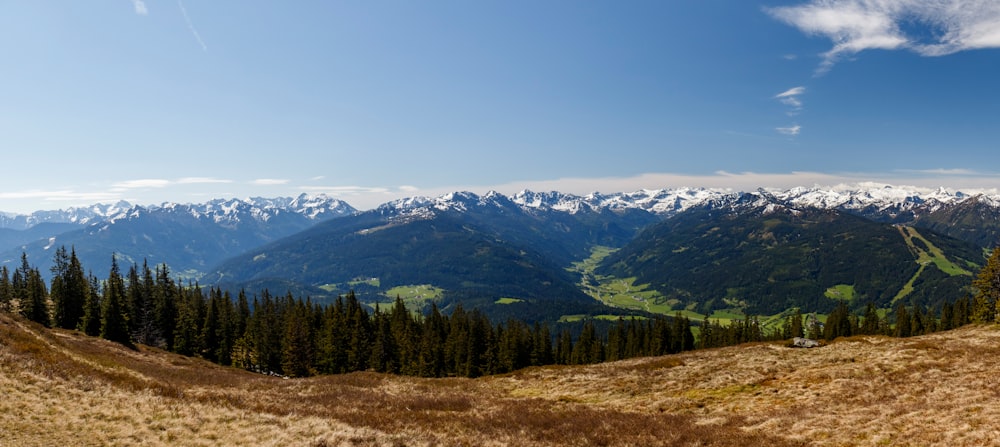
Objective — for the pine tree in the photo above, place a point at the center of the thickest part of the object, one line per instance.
(114, 310)
(60, 265)
(333, 339)
(587, 347)
(903, 328)
(165, 310)
(6, 290)
(384, 356)
(30, 290)
(541, 346)
(432, 341)
(871, 323)
(297, 353)
(796, 328)
(987, 286)
(947, 316)
(211, 327)
(564, 348)
(187, 332)
(142, 306)
(90, 324)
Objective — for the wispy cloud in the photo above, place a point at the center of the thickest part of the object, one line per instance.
(199, 180)
(269, 181)
(791, 130)
(347, 190)
(141, 183)
(190, 25)
(928, 28)
(140, 7)
(943, 171)
(790, 97)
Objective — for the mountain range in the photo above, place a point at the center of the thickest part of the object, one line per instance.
(693, 249)
(187, 237)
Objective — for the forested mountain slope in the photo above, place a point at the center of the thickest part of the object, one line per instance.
(758, 254)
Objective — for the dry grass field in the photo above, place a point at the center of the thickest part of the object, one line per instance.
(61, 388)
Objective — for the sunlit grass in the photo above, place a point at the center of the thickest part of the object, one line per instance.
(63, 388)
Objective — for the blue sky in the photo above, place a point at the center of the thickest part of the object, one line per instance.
(168, 100)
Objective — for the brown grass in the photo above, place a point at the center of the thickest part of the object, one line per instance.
(63, 388)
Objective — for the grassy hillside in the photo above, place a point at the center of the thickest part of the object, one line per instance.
(62, 388)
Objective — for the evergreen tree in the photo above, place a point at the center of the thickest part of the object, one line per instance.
(142, 306)
(838, 323)
(187, 332)
(30, 290)
(211, 327)
(456, 345)
(297, 344)
(903, 322)
(871, 324)
(90, 324)
(165, 309)
(564, 348)
(541, 346)
(383, 348)
(227, 331)
(961, 316)
(987, 286)
(6, 290)
(333, 339)
(432, 342)
(947, 316)
(114, 310)
(588, 347)
(60, 267)
(360, 332)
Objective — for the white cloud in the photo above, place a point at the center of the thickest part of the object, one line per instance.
(199, 180)
(942, 171)
(270, 181)
(791, 130)
(348, 190)
(790, 97)
(946, 26)
(142, 183)
(140, 7)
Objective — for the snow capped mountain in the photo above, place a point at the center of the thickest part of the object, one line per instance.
(870, 199)
(874, 200)
(76, 215)
(221, 211)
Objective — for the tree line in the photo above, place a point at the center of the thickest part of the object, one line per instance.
(292, 336)
(295, 337)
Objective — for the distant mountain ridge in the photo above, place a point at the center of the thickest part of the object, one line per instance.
(514, 253)
(311, 206)
(187, 237)
(870, 199)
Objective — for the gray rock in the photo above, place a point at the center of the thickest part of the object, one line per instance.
(799, 342)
